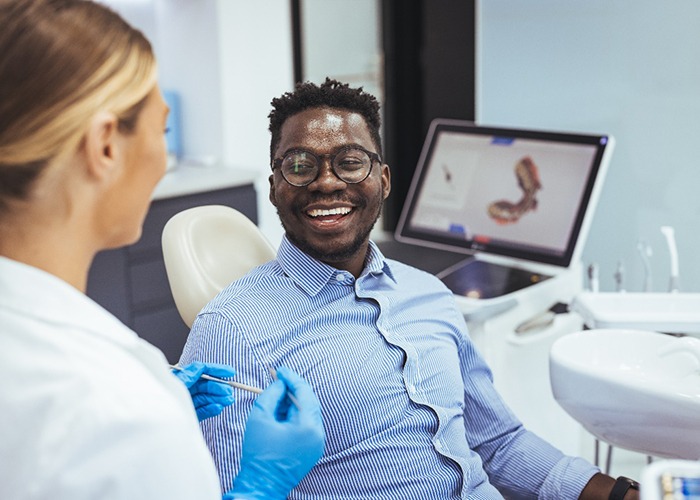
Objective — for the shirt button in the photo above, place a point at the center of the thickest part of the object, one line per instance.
(412, 389)
(339, 277)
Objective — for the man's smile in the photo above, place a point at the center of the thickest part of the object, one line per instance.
(321, 212)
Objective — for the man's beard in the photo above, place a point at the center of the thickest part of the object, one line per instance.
(340, 255)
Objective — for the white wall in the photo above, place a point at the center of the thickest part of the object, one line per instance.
(227, 59)
(350, 51)
(187, 46)
(630, 68)
(256, 65)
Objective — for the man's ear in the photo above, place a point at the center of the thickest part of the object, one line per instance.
(271, 196)
(102, 146)
(386, 180)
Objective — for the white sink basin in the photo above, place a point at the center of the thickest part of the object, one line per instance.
(636, 389)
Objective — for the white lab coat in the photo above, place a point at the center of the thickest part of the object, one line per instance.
(88, 410)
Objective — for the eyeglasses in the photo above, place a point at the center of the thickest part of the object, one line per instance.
(351, 164)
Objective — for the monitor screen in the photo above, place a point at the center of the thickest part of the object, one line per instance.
(527, 194)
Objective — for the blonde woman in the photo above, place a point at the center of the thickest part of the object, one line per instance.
(88, 410)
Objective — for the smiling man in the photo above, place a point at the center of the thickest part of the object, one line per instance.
(409, 406)
(328, 184)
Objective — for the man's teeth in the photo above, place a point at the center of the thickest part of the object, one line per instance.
(333, 211)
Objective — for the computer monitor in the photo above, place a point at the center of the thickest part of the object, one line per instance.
(525, 194)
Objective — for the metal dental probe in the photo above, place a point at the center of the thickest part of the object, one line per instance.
(289, 394)
(237, 385)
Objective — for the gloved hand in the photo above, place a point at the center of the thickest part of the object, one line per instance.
(209, 397)
(281, 442)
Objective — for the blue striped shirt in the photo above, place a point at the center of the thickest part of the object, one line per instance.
(408, 404)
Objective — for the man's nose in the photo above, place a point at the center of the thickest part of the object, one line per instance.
(327, 180)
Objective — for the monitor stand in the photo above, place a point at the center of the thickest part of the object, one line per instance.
(431, 260)
(465, 275)
(480, 279)
(482, 288)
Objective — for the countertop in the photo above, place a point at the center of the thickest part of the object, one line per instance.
(183, 179)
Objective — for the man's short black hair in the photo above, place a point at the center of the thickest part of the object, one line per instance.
(332, 94)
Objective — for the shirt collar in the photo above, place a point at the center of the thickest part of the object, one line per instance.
(312, 275)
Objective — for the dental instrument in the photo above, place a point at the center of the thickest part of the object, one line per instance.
(291, 397)
(645, 252)
(237, 385)
(619, 277)
(670, 235)
(593, 284)
(543, 320)
(537, 322)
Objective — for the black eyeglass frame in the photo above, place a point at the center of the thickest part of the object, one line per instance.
(373, 157)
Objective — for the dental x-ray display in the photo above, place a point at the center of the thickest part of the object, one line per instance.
(526, 194)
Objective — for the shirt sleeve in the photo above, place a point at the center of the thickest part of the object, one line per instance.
(518, 462)
(215, 339)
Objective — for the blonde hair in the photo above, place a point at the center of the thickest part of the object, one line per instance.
(62, 61)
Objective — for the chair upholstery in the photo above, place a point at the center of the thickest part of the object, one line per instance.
(205, 248)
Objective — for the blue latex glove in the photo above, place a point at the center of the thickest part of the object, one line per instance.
(281, 442)
(209, 397)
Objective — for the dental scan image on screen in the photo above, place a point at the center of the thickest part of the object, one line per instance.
(511, 192)
(500, 188)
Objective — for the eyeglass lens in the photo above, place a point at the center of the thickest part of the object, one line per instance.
(351, 165)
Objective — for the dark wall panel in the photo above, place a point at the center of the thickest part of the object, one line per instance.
(429, 73)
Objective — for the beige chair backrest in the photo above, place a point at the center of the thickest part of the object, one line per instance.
(206, 248)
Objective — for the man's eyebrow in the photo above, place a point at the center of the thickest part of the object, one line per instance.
(309, 150)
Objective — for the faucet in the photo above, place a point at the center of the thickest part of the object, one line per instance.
(669, 233)
(645, 252)
(619, 277)
(593, 277)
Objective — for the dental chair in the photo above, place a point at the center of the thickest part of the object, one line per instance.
(205, 248)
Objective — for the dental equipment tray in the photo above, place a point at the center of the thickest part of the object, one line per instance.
(663, 312)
